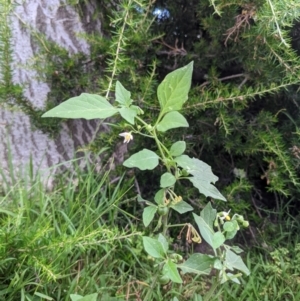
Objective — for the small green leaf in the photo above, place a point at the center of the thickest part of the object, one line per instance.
(209, 214)
(231, 234)
(128, 114)
(172, 93)
(87, 106)
(233, 261)
(143, 160)
(232, 225)
(197, 264)
(159, 197)
(172, 120)
(218, 240)
(218, 264)
(178, 148)
(182, 207)
(163, 242)
(92, 297)
(170, 270)
(148, 215)
(167, 180)
(206, 231)
(153, 247)
(229, 226)
(122, 95)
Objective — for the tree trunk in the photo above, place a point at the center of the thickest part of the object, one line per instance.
(21, 144)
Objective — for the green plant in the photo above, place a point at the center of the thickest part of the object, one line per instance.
(215, 228)
(66, 241)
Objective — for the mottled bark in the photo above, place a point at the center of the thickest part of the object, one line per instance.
(60, 23)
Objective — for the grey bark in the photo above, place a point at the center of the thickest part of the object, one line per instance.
(60, 23)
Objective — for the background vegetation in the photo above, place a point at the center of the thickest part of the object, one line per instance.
(243, 107)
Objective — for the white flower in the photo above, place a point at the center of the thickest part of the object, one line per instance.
(127, 136)
(224, 216)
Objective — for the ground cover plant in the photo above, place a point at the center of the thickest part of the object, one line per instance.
(215, 228)
(53, 245)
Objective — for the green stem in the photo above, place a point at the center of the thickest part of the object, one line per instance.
(160, 146)
(164, 221)
(177, 225)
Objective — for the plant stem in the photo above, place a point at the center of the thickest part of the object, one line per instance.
(164, 221)
(118, 50)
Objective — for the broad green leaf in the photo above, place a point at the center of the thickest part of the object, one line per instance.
(148, 215)
(163, 242)
(218, 240)
(197, 264)
(206, 188)
(172, 120)
(92, 297)
(233, 261)
(209, 214)
(172, 93)
(87, 106)
(128, 114)
(159, 197)
(203, 176)
(197, 168)
(206, 231)
(145, 159)
(178, 148)
(182, 207)
(153, 247)
(167, 180)
(122, 95)
(170, 270)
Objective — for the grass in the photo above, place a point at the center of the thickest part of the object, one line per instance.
(80, 239)
(63, 242)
